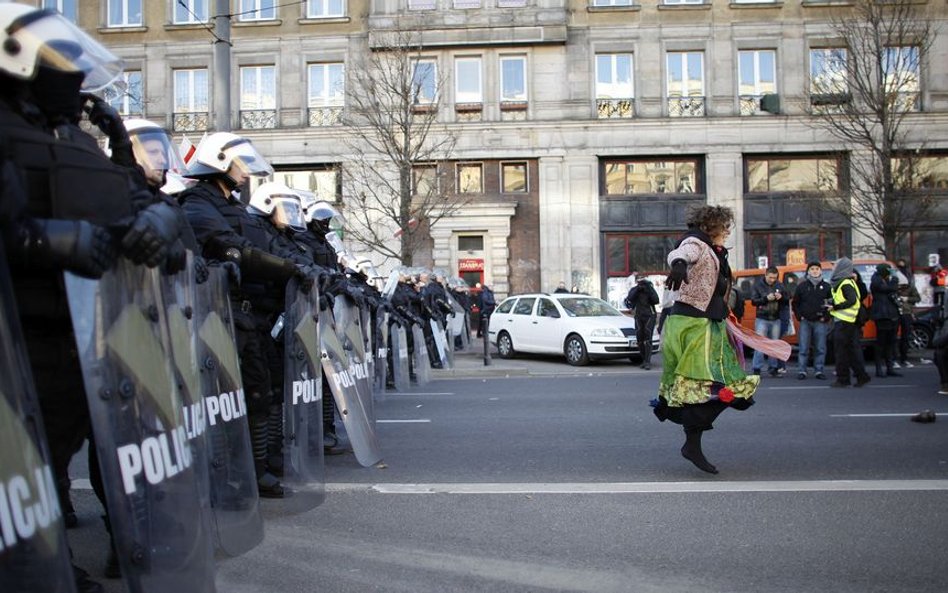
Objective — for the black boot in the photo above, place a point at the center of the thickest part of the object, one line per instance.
(84, 583)
(691, 451)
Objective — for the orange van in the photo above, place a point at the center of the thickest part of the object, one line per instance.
(790, 276)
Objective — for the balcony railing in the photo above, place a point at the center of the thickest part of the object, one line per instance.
(686, 106)
(190, 121)
(324, 116)
(615, 108)
(258, 119)
(750, 104)
(906, 101)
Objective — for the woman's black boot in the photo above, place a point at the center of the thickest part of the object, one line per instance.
(691, 451)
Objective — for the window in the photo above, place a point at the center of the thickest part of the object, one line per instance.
(324, 9)
(424, 181)
(807, 174)
(422, 4)
(546, 308)
(604, 3)
(65, 7)
(511, 3)
(614, 86)
(923, 173)
(257, 10)
(900, 67)
(916, 247)
(685, 84)
(829, 82)
(190, 11)
(774, 246)
(524, 306)
(190, 100)
(257, 97)
(326, 93)
(129, 101)
(325, 182)
(651, 177)
(757, 76)
(470, 178)
(467, 75)
(125, 13)
(470, 242)
(513, 79)
(675, 2)
(513, 178)
(424, 82)
(640, 253)
(506, 306)
(467, 4)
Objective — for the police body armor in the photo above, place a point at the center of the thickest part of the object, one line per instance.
(303, 464)
(149, 471)
(33, 551)
(342, 377)
(208, 374)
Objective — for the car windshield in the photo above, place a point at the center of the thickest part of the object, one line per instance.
(588, 307)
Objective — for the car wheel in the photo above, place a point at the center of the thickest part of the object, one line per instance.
(505, 345)
(920, 338)
(575, 351)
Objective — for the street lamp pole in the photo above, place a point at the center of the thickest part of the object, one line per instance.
(222, 111)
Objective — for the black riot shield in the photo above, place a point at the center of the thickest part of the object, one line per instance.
(234, 500)
(349, 328)
(422, 363)
(398, 344)
(151, 478)
(380, 352)
(33, 552)
(304, 472)
(342, 380)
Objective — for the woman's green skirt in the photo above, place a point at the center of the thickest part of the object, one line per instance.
(696, 355)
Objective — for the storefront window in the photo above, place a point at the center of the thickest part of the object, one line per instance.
(811, 174)
(640, 253)
(651, 177)
(776, 246)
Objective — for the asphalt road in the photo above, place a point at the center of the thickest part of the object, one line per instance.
(567, 482)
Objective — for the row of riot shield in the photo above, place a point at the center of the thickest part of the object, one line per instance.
(33, 552)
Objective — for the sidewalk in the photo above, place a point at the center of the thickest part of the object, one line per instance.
(469, 364)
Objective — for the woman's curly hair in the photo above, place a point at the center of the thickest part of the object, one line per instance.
(711, 219)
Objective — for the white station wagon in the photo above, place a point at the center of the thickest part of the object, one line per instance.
(579, 327)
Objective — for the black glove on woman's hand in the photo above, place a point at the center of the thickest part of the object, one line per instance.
(678, 275)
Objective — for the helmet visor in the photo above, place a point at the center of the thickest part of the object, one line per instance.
(64, 46)
(154, 150)
(288, 213)
(246, 158)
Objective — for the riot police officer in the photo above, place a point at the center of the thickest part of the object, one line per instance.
(77, 207)
(226, 232)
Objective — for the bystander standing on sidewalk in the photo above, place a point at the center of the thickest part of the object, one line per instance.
(770, 298)
(909, 298)
(886, 312)
(809, 304)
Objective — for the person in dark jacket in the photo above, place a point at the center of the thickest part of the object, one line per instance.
(735, 300)
(809, 305)
(641, 300)
(847, 302)
(886, 312)
(770, 297)
(486, 303)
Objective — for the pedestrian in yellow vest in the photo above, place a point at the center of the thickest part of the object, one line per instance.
(845, 310)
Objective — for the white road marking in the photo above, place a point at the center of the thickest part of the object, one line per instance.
(432, 393)
(801, 388)
(878, 415)
(646, 487)
(406, 421)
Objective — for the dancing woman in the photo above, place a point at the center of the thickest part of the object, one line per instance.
(702, 375)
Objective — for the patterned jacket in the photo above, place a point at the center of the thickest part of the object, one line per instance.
(703, 270)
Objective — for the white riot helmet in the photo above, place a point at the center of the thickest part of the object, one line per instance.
(280, 204)
(155, 153)
(33, 38)
(222, 150)
(365, 267)
(321, 212)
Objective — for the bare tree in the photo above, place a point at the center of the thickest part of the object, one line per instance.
(864, 93)
(397, 181)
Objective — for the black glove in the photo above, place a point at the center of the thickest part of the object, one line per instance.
(107, 119)
(176, 259)
(233, 272)
(306, 278)
(75, 245)
(201, 273)
(678, 275)
(153, 231)
(325, 301)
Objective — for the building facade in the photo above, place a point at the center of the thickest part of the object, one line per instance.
(586, 128)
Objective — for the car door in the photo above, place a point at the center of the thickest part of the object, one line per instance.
(543, 331)
(520, 324)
